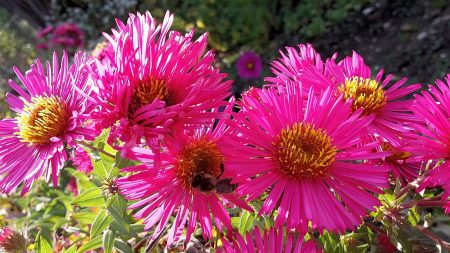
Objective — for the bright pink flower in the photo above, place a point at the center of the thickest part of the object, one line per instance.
(403, 162)
(272, 241)
(158, 79)
(68, 35)
(303, 152)
(352, 78)
(12, 241)
(185, 180)
(249, 65)
(433, 139)
(81, 160)
(51, 113)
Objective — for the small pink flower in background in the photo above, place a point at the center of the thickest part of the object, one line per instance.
(433, 139)
(81, 160)
(68, 35)
(51, 113)
(303, 151)
(271, 241)
(72, 186)
(12, 241)
(352, 78)
(249, 66)
(184, 181)
(158, 79)
(44, 32)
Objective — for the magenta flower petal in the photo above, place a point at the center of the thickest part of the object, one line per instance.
(352, 78)
(291, 145)
(182, 182)
(51, 113)
(433, 138)
(271, 241)
(158, 79)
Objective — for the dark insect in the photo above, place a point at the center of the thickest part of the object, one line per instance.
(206, 183)
(224, 186)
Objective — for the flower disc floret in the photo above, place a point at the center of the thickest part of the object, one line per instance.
(42, 119)
(303, 151)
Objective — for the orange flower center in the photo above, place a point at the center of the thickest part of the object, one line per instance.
(42, 119)
(145, 92)
(397, 157)
(303, 151)
(200, 156)
(365, 93)
(250, 66)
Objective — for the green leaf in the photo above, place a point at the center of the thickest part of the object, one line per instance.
(92, 244)
(103, 165)
(84, 183)
(117, 208)
(85, 217)
(108, 240)
(122, 246)
(42, 245)
(90, 198)
(101, 222)
(246, 222)
(413, 216)
(72, 249)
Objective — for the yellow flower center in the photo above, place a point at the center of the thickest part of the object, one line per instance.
(200, 156)
(366, 94)
(42, 119)
(397, 156)
(146, 91)
(303, 151)
(250, 65)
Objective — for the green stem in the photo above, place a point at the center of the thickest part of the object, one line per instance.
(95, 149)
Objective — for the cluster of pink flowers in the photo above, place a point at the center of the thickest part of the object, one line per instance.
(317, 143)
(67, 35)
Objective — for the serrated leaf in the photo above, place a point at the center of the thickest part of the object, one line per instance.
(42, 245)
(101, 222)
(413, 216)
(90, 198)
(108, 240)
(92, 244)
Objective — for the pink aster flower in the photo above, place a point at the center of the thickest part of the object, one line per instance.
(51, 113)
(303, 152)
(271, 241)
(158, 79)
(68, 35)
(81, 160)
(249, 66)
(185, 181)
(404, 164)
(352, 78)
(433, 139)
(12, 241)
